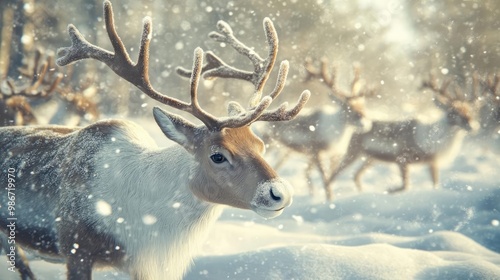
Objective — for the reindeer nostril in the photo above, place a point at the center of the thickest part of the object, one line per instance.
(273, 196)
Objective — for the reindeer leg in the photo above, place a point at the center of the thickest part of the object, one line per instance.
(347, 160)
(307, 172)
(78, 261)
(434, 174)
(21, 263)
(326, 185)
(282, 157)
(23, 266)
(360, 172)
(75, 244)
(403, 168)
(79, 267)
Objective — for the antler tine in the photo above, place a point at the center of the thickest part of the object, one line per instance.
(311, 71)
(135, 73)
(492, 83)
(321, 73)
(356, 84)
(38, 56)
(496, 83)
(119, 61)
(217, 68)
(34, 89)
(432, 84)
(282, 114)
(476, 86)
(279, 114)
(39, 80)
(442, 91)
(11, 87)
(329, 78)
(262, 67)
(194, 107)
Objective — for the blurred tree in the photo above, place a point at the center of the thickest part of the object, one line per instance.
(13, 20)
(457, 37)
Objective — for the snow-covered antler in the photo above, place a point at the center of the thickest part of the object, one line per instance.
(137, 73)
(216, 68)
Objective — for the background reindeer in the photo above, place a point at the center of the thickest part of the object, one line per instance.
(48, 88)
(323, 133)
(15, 100)
(411, 141)
(76, 105)
(109, 196)
(486, 92)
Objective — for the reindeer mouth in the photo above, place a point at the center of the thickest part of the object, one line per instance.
(268, 213)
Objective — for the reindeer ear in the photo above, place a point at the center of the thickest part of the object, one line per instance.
(234, 109)
(176, 128)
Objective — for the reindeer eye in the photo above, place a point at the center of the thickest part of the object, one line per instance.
(218, 158)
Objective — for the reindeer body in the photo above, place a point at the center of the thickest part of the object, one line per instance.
(16, 110)
(125, 208)
(409, 142)
(314, 131)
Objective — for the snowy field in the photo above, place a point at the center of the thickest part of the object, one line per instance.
(449, 233)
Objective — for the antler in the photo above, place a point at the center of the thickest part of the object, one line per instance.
(137, 73)
(216, 68)
(80, 97)
(444, 96)
(329, 78)
(38, 80)
(491, 84)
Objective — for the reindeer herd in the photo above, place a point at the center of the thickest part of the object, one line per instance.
(22, 100)
(332, 140)
(107, 195)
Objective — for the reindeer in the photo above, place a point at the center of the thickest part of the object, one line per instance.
(106, 195)
(412, 141)
(76, 101)
(15, 107)
(15, 110)
(324, 131)
(486, 89)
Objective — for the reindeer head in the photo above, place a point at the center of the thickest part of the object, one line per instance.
(352, 104)
(487, 95)
(230, 168)
(458, 109)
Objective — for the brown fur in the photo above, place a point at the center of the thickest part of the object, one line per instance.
(229, 142)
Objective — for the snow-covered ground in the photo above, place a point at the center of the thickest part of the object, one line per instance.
(449, 233)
